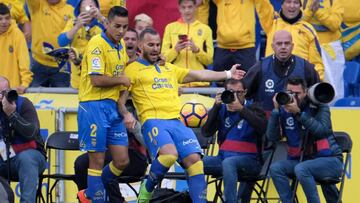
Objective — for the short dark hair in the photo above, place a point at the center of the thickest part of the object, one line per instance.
(148, 31)
(233, 81)
(118, 11)
(180, 1)
(296, 80)
(133, 30)
(4, 9)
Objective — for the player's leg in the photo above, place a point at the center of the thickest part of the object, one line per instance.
(189, 152)
(163, 152)
(117, 142)
(92, 136)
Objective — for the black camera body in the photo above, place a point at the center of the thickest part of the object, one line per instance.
(227, 97)
(10, 95)
(283, 98)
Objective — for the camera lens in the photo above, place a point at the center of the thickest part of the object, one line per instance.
(283, 98)
(227, 97)
(11, 96)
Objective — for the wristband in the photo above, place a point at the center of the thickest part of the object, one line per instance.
(228, 74)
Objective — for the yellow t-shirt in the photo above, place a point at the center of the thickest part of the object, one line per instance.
(106, 5)
(101, 57)
(154, 89)
(47, 22)
(326, 20)
(15, 61)
(235, 24)
(201, 35)
(17, 11)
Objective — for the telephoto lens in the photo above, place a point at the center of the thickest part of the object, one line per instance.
(283, 98)
(227, 97)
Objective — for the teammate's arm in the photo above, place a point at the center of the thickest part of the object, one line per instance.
(207, 75)
(129, 119)
(107, 81)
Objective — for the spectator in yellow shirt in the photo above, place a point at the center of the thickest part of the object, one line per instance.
(187, 42)
(89, 22)
(17, 13)
(326, 17)
(351, 29)
(48, 19)
(235, 34)
(15, 60)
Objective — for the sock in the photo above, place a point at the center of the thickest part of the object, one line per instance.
(196, 182)
(157, 170)
(109, 173)
(95, 190)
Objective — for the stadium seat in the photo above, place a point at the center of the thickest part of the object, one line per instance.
(132, 179)
(344, 141)
(261, 181)
(348, 101)
(351, 79)
(64, 140)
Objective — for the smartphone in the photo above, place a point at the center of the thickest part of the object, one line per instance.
(183, 38)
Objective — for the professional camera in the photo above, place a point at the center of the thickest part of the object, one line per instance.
(10, 95)
(321, 93)
(284, 98)
(227, 97)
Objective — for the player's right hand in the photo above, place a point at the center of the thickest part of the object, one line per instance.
(125, 81)
(82, 19)
(218, 98)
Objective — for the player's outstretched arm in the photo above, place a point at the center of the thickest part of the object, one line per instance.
(107, 81)
(209, 76)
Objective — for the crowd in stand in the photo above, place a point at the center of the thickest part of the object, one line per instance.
(100, 47)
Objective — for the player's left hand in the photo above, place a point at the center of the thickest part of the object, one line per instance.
(236, 72)
(129, 121)
(8, 107)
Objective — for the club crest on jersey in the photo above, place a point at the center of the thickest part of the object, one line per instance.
(11, 49)
(227, 122)
(66, 18)
(199, 32)
(269, 85)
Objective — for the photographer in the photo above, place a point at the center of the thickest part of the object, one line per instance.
(269, 75)
(303, 121)
(20, 127)
(240, 125)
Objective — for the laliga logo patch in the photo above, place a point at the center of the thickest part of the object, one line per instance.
(66, 18)
(269, 84)
(290, 121)
(95, 63)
